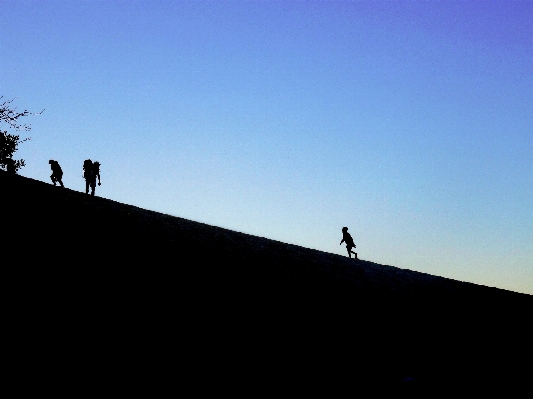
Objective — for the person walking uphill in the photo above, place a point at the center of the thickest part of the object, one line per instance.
(91, 171)
(347, 238)
(57, 173)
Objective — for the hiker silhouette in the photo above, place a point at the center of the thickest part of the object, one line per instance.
(91, 171)
(347, 238)
(57, 173)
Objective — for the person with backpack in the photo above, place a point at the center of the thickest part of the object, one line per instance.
(347, 238)
(57, 172)
(91, 171)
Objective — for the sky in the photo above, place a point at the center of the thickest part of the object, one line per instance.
(409, 122)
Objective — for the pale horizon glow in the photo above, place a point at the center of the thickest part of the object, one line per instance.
(409, 122)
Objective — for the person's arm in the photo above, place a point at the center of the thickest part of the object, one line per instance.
(342, 241)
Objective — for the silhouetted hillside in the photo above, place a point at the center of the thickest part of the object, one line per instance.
(115, 293)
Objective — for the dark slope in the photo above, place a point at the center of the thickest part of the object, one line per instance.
(155, 299)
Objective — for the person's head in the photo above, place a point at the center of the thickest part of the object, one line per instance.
(96, 163)
(345, 229)
(51, 161)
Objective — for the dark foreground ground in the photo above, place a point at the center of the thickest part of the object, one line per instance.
(106, 297)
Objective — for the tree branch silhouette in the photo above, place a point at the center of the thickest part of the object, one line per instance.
(9, 142)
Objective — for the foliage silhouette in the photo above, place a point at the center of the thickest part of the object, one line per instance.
(9, 142)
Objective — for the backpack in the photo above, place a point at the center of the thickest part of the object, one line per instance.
(87, 168)
(56, 168)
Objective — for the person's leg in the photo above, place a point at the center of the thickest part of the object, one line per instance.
(52, 177)
(93, 186)
(86, 186)
(350, 252)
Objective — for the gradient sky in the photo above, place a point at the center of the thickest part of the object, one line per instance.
(410, 122)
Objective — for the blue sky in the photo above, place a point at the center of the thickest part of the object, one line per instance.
(410, 122)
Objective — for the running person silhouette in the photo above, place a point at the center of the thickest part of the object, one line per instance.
(57, 173)
(347, 238)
